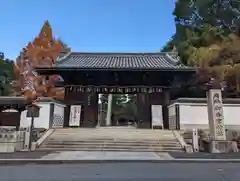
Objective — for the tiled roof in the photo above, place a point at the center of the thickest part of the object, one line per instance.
(119, 61)
(204, 100)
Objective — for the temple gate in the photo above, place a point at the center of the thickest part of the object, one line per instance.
(86, 75)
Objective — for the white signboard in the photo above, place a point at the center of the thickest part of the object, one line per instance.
(75, 114)
(157, 118)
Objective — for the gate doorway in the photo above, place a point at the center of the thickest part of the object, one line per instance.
(123, 110)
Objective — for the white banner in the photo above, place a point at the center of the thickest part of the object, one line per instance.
(75, 114)
(157, 118)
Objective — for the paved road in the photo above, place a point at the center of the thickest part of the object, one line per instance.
(123, 172)
(24, 155)
(181, 155)
(202, 155)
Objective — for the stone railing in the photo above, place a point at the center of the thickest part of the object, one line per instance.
(12, 140)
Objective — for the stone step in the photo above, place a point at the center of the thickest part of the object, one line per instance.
(139, 137)
(110, 149)
(117, 131)
(132, 129)
(111, 143)
(114, 132)
(113, 146)
(111, 139)
(112, 135)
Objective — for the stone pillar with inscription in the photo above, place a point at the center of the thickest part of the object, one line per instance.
(218, 142)
(215, 114)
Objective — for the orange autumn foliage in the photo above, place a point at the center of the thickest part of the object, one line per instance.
(43, 50)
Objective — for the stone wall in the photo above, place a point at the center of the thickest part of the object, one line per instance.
(11, 140)
(189, 113)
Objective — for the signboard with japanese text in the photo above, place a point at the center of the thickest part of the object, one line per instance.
(157, 118)
(114, 89)
(75, 114)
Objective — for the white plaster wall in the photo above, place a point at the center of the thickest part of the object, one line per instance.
(40, 122)
(196, 115)
(193, 114)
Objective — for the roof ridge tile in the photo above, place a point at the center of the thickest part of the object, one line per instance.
(112, 60)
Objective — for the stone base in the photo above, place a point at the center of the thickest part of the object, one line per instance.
(220, 146)
(157, 127)
(188, 148)
(144, 125)
(89, 123)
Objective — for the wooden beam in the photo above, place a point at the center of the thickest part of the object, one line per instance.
(114, 89)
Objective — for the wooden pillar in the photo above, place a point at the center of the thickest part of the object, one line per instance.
(166, 101)
(144, 110)
(66, 115)
(66, 109)
(90, 110)
(156, 98)
(95, 108)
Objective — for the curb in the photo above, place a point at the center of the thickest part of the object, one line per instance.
(41, 161)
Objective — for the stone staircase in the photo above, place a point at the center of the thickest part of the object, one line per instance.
(111, 139)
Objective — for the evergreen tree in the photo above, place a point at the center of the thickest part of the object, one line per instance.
(199, 23)
(207, 37)
(6, 75)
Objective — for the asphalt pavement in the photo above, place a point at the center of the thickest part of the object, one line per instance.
(123, 172)
(203, 155)
(25, 155)
(174, 155)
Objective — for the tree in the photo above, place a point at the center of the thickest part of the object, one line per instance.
(199, 23)
(43, 50)
(118, 101)
(6, 75)
(187, 40)
(226, 64)
(168, 47)
(130, 107)
(224, 14)
(220, 60)
(123, 106)
(204, 39)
